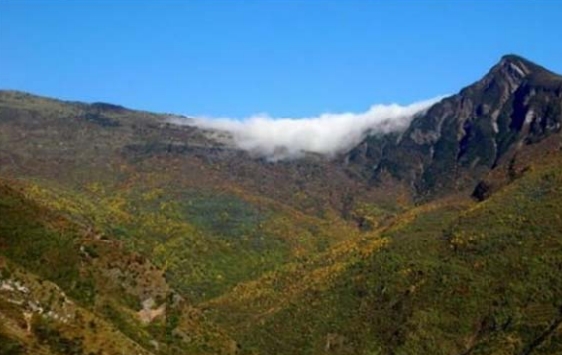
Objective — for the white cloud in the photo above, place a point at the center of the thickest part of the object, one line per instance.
(327, 134)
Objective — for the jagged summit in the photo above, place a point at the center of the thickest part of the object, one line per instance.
(458, 140)
(519, 64)
(508, 74)
(515, 70)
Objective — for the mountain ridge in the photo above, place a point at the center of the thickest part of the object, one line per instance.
(473, 129)
(131, 233)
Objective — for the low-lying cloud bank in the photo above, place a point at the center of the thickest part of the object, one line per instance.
(327, 134)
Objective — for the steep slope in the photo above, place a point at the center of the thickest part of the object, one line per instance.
(190, 205)
(66, 290)
(457, 141)
(116, 224)
(453, 277)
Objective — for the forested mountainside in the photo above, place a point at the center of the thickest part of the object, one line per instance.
(122, 232)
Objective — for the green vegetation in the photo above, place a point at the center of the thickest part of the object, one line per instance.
(9, 346)
(479, 278)
(122, 233)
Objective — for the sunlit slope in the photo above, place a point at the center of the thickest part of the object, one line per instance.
(448, 278)
(116, 224)
(67, 290)
(208, 214)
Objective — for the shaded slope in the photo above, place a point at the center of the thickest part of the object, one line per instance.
(458, 140)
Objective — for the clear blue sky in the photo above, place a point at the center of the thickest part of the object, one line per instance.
(287, 58)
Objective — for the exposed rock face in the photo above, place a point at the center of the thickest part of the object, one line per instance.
(148, 313)
(458, 140)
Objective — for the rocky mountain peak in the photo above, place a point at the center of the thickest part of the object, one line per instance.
(512, 70)
(515, 65)
(507, 75)
(460, 139)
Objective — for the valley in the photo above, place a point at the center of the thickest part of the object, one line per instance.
(122, 231)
